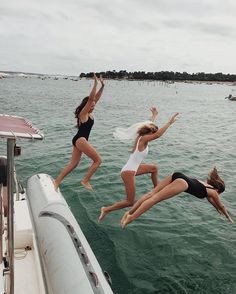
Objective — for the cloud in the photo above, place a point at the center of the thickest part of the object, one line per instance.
(88, 35)
(213, 29)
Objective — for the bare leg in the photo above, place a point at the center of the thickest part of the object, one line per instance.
(169, 191)
(136, 206)
(128, 178)
(148, 195)
(75, 158)
(149, 168)
(166, 181)
(84, 146)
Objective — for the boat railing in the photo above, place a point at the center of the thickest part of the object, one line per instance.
(10, 210)
(11, 128)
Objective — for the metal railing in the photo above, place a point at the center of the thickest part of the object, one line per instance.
(10, 211)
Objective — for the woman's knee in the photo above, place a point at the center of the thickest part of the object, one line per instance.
(154, 168)
(130, 202)
(98, 160)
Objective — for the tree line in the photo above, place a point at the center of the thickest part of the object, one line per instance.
(163, 76)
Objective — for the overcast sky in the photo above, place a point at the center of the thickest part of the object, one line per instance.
(74, 36)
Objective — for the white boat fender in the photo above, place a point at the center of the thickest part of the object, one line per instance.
(92, 276)
(62, 244)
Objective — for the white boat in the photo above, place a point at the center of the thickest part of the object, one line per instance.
(231, 97)
(43, 249)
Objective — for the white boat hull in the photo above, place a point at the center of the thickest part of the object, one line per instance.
(69, 264)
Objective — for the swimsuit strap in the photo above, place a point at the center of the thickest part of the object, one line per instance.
(81, 123)
(137, 145)
(210, 187)
(207, 186)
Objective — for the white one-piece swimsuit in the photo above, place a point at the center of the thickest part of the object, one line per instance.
(135, 159)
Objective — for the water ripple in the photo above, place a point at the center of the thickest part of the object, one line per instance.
(179, 246)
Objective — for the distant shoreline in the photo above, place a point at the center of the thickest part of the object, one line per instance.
(163, 76)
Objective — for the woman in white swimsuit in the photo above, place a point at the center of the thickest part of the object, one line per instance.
(133, 167)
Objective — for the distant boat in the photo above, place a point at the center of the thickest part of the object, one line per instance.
(3, 75)
(231, 97)
(22, 75)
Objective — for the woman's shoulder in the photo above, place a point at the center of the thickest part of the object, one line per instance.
(205, 184)
(212, 193)
(141, 142)
(84, 118)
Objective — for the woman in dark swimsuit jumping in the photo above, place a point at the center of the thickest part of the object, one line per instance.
(176, 184)
(80, 141)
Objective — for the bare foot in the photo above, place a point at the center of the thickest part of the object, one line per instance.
(126, 221)
(124, 217)
(87, 185)
(102, 215)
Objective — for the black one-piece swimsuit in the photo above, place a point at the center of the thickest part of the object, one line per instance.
(195, 187)
(84, 130)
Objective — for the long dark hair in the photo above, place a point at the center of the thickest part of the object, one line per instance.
(79, 108)
(215, 181)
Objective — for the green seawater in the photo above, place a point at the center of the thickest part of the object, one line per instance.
(181, 245)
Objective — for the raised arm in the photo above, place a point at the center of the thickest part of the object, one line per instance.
(91, 99)
(161, 131)
(222, 208)
(99, 93)
(154, 113)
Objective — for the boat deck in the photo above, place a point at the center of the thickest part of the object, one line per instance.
(26, 271)
(27, 274)
(26, 280)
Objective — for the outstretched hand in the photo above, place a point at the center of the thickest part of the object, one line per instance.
(154, 111)
(230, 220)
(102, 81)
(173, 118)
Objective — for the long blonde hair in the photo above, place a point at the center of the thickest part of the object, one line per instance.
(145, 130)
(215, 180)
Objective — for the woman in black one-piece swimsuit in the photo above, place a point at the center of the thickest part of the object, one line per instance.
(80, 141)
(176, 184)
